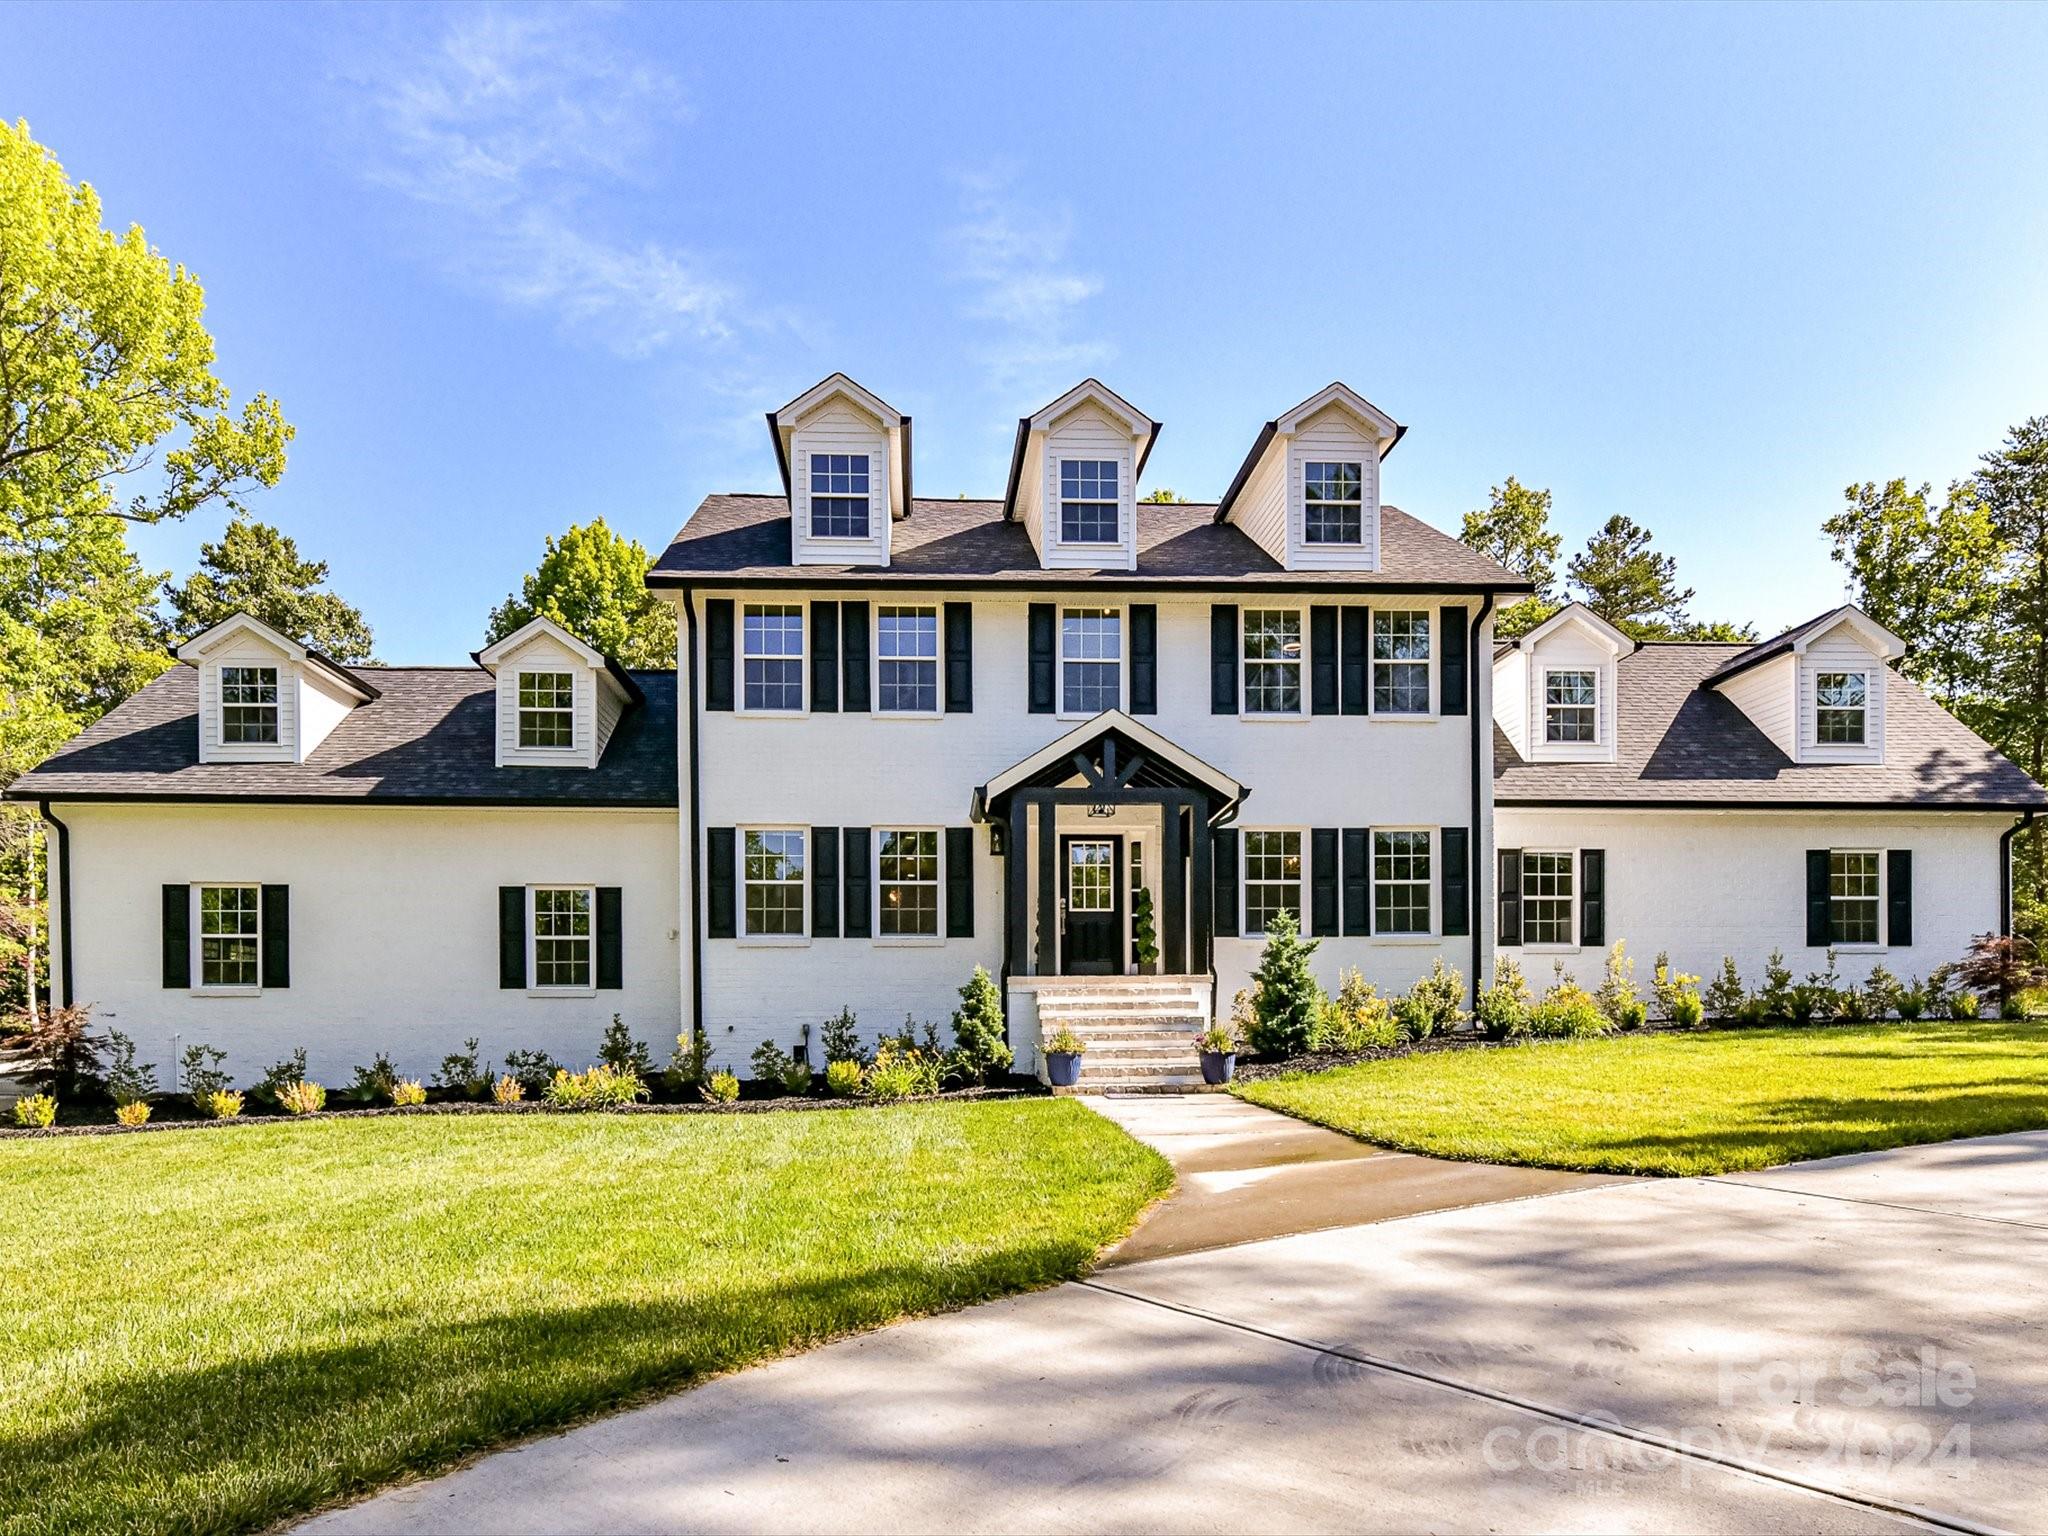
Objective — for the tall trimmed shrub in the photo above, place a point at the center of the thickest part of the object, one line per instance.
(1285, 997)
(978, 1044)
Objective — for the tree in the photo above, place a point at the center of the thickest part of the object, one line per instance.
(1165, 496)
(257, 570)
(1631, 586)
(593, 583)
(1513, 529)
(2012, 484)
(978, 1033)
(1285, 997)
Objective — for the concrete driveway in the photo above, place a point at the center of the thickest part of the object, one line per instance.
(1851, 1345)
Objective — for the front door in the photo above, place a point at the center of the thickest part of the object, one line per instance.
(1092, 942)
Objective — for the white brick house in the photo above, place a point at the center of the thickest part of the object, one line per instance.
(908, 736)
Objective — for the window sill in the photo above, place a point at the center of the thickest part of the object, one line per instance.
(909, 941)
(1853, 949)
(1250, 717)
(774, 941)
(1408, 939)
(1400, 717)
(907, 714)
(772, 714)
(1547, 949)
(561, 991)
(226, 991)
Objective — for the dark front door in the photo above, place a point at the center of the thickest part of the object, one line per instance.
(1092, 890)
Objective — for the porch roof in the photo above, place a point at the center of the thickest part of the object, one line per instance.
(1119, 753)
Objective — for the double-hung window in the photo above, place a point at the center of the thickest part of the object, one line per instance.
(1088, 501)
(840, 502)
(907, 872)
(1570, 706)
(1272, 661)
(1091, 660)
(1333, 503)
(774, 880)
(562, 936)
(248, 705)
(907, 661)
(1855, 886)
(230, 935)
(1400, 661)
(1400, 882)
(547, 709)
(1547, 899)
(773, 645)
(1272, 879)
(1841, 707)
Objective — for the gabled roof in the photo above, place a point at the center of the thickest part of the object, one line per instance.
(201, 645)
(1336, 392)
(540, 625)
(1055, 758)
(1134, 420)
(781, 423)
(1581, 617)
(1794, 641)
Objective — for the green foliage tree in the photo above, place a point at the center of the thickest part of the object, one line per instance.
(978, 1035)
(257, 570)
(593, 582)
(1165, 495)
(1621, 577)
(1513, 528)
(1285, 997)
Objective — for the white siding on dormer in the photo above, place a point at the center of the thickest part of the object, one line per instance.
(1333, 433)
(1088, 432)
(1841, 649)
(1511, 700)
(611, 703)
(542, 654)
(243, 649)
(322, 706)
(1260, 511)
(839, 426)
(1571, 648)
(1767, 694)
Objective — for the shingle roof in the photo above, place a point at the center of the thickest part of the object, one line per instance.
(1682, 744)
(745, 539)
(429, 737)
(1777, 645)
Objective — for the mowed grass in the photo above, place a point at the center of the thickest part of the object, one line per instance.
(209, 1330)
(1714, 1102)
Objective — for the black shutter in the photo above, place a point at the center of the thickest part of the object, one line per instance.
(1357, 633)
(1357, 881)
(824, 882)
(824, 657)
(611, 938)
(1510, 935)
(959, 882)
(1223, 668)
(178, 936)
(277, 936)
(1818, 927)
(1224, 885)
(1898, 882)
(1322, 881)
(1040, 624)
(959, 658)
(717, 655)
(1455, 850)
(1144, 659)
(1593, 897)
(1322, 661)
(720, 856)
(857, 909)
(1451, 671)
(512, 936)
(853, 657)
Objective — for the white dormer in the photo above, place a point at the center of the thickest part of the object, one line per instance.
(558, 699)
(1073, 479)
(845, 457)
(1555, 688)
(263, 697)
(1818, 690)
(1309, 491)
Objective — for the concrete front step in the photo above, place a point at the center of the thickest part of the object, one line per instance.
(1189, 1083)
(1185, 1002)
(1149, 1040)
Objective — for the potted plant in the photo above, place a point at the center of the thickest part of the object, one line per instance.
(1063, 1057)
(1145, 933)
(1219, 1054)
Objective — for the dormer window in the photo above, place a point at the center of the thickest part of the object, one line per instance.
(840, 502)
(1570, 705)
(1333, 502)
(1841, 708)
(547, 709)
(248, 705)
(1088, 501)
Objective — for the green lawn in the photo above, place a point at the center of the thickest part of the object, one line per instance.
(1688, 1103)
(209, 1330)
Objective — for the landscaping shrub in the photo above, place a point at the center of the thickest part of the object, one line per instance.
(1776, 996)
(1668, 984)
(280, 1076)
(1568, 1012)
(61, 1050)
(1821, 996)
(978, 1036)
(1411, 1019)
(1881, 991)
(1725, 995)
(1751, 1011)
(599, 1087)
(464, 1072)
(1436, 1002)
(1144, 928)
(771, 1062)
(1356, 1019)
(901, 1072)
(721, 1088)
(34, 1111)
(531, 1070)
(2004, 964)
(127, 1081)
(222, 1104)
(1911, 1001)
(134, 1112)
(840, 1038)
(688, 1062)
(1852, 1004)
(302, 1098)
(374, 1082)
(407, 1092)
(1687, 1009)
(1218, 1040)
(622, 1053)
(1964, 1004)
(1502, 1007)
(1617, 994)
(199, 1070)
(1285, 997)
(508, 1090)
(842, 1078)
(1802, 1003)
(1064, 1042)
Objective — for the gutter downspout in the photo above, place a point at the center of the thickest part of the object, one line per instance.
(2004, 875)
(63, 977)
(695, 834)
(1479, 824)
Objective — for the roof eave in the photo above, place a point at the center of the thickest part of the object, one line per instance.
(1016, 470)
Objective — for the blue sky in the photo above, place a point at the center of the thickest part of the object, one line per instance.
(508, 269)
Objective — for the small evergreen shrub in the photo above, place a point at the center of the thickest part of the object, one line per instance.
(598, 1087)
(901, 1072)
(282, 1075)
(531, 1070)
(979, 1047)
(1881, 991)
(1437, 1000)
(771, 1062)
(1776, 996)
(1502, 1007)
(135, 1112)
(200, 1071)
(127, 1081)
(1687, 1009)
(508, 1089)
(622, 1053)
(1285, 996)
(1725, 995)
(1356, 1019)
(408, 1092)
(688, 1063)
(842, 1078)
(1751, 1012)
(302, 1098)
(35, 1111)
(840, 1038)
(222, 1104)
(1852, 1004)
(1144, 928)
(464, 1072)
(1568, 1012)
(721, 1088)
(1617, 994)
(1911, 1002)
(1668, 984)
(373, 1084)
(1965, 1004)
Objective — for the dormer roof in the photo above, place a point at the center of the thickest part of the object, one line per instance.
(1383, 426)
(1143, 429)
(1882, 643)
(202, 645)
(539, 626)
(1580, 616)
(894, 424)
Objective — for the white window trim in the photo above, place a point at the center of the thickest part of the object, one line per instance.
(1884, 927)
(1430, 883)
(1245, 882)
(1059, 674)
(1572, 903)
(220, 704)
(1864, 745)
(533, 986)
(1363, 503)
(518, 710)
(1372, 665)
(1059, 499)
(907, 940)
(1305, 684)
(833, 540)
(875, 659)
(1543, 706)
(802, 658)
(194, 936)
(771, 940)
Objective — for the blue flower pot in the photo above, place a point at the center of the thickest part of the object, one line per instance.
(1063, 1068)
(1218, 1067)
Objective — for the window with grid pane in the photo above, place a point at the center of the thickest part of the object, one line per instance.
(248, 704)
(1841, 703)
(1091, 876)
(230, 935)
(1272, 661)
(1091, 660)
(1400, 662)
(1088, 501)
(839, 496)
(1400, 882)
(907, 660)
(1272, 878)
(1570, 706)
(547, 716)
(1546, 898)
(1853, 891)
(907, 870)
(1333, 503)
(772, 643)
(561, 936)
(774, 879)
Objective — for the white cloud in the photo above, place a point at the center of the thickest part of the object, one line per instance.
(1013, 260)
